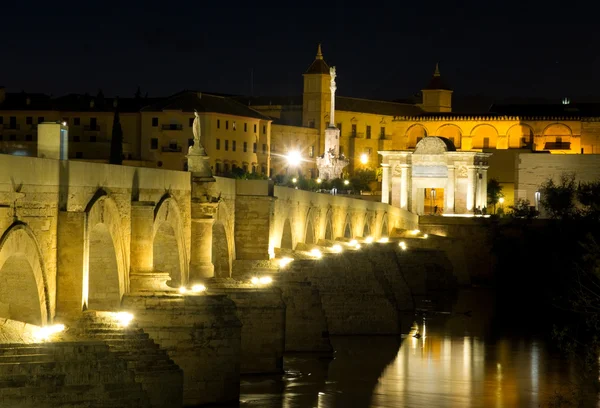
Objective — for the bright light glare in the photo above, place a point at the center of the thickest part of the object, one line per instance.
(294, 158)
(353, 242)
(319, 181)
(44, 333)
(182, 289)
(254, 280)
(402, 245)
(384, 240)
(294, 180)
(415, 232)
(316, 253)
(425, 236)
(501, 200)
(124, 318)
(346, 182)
(369, 240)
(357, 246)
(364, 158)
(337, 248)
(64, 123)
(265, 280)
(198, 288)
(283, 262)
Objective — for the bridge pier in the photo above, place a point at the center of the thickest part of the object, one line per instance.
(201, 266)
(70, 264)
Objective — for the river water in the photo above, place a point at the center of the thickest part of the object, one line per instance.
(459, 360)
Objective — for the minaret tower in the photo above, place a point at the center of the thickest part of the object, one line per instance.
(437, 96)
(316, 96)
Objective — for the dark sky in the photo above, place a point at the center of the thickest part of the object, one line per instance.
(382, 50)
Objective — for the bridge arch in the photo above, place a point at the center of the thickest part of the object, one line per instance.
(348, 228)
(385, 229)
(220, 250)
(484, 136)
(414, 134)
(168, 241)
(287, 239)
(105, 277)
(329, 225)
(367, 225)
(24, 289)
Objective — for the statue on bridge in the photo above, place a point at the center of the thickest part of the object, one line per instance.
(197, 157)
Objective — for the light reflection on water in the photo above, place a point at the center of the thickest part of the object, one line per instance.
(454, 363)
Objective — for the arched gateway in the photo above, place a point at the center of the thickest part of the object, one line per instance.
(435, 178)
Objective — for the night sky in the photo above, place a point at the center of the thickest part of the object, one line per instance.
(383, 50)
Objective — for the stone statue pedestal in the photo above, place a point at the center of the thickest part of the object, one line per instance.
(330, 165)
(198, 164)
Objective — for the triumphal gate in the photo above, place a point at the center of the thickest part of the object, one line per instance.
(435, 178)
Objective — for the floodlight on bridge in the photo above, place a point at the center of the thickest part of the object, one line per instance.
(369, 240)
(198, 288)
(124, 318)
(337, 248)
(384, 240)
(283, 262)
(182, 290)
(402, 245)
(316, 253)
(46, 332)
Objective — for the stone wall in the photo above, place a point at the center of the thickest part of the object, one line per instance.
(202, 335)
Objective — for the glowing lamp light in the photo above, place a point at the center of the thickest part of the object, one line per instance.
(384, 240)
(426, 236)
(501, 200)
(357, 246)
(46, 332)
(402, 245)
(346, 182)
(415, 232)
(294, 180)
(182, 290)
(319, 181)
(337, 248)
(283, 262)
(364, 158)
(369, 240)
(123, 318)
(316, 253)
(64, 123)
(353, 242)
(265, 280)
(198, 288)
(294, 158)
(254, 280)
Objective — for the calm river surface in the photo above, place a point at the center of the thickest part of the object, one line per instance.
(459, 361)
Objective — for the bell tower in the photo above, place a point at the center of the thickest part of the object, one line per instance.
(437, 96)
(316, 96)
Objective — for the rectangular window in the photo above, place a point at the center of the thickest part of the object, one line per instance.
(245, 167)
(264, 129)
(234, 125)
(254, 168)
(245, 147)
(382, 132)
(154, 122)
(153, 143)
(191, 122)
(79, 155)
(218, 144)
(12, 138)
(368, 151)
(233, 145)
(255, 128)
(13, 122)
(29, 120)
(264, 148)
(353, 130)
(263, 169)
(41, 119)
(226, 145)
(219, 127)
(226, 167)
(218, 168)
(486, 142)
(254, 148)
(76, 139)
(311, 151)
(245, 127)
(368, 132)
(76, 121)
(226, 124)
(28, 138)
(93, 139)
(1, 120)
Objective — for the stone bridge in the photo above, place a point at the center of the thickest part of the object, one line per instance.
(79, 236)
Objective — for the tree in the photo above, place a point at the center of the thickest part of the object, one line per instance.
(361, 180)
(494, 192)
(522, 209)
(588, 195)
(559, 199)
(116, 142)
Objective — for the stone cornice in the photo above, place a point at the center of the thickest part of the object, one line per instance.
(491, 118)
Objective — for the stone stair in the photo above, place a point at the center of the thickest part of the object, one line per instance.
(158, 375)
(66, 375)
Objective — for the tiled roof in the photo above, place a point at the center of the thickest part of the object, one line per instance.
(188, 101)
(344, 103)
(23, 101)
(437, 82)
(319, 66)
(270, 100)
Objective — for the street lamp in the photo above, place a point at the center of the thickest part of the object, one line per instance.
(364, 158)
(501, 201)
(346, 182)
(294, 158)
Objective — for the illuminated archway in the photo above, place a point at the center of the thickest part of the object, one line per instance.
(519, 136)
(23, 287)
(385, 229)
(170, 254)
(450, 132)
(310, 232)
(348, 230)
(484, 137)
(220, 251)
(414, 134)
(287, 240)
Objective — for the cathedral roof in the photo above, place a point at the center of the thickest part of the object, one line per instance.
(385, 108)
(188, 101)
(437, 82)
(319, 66)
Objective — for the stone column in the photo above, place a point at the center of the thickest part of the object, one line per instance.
(385, 184)
(449, 192)
(142, 224)
(404, 187)
(201, 266)
(484, 187)
(471, 180)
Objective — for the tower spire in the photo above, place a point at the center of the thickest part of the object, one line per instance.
(437, 69)
(319, 53)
